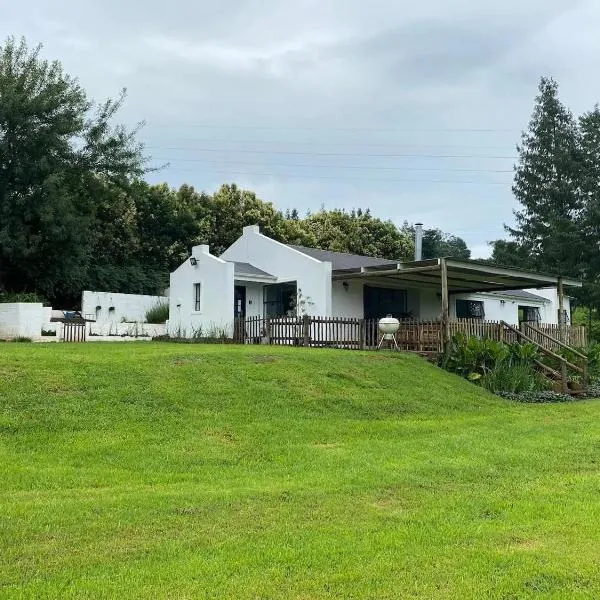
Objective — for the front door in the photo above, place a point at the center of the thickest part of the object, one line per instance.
(239, 302)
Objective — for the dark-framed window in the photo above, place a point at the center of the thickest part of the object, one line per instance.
(379, 302)
(529, 314)
(469, 309)
(279, 299)
(197, 297)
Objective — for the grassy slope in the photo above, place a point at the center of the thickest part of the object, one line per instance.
(175, 471)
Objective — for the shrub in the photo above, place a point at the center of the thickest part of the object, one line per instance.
(158, 314)
(22, 338)
(536, 397)
(21, 297)
(513, 378)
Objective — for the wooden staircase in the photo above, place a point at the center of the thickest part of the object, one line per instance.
(563, 378)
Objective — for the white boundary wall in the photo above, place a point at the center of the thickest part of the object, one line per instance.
(21, 319)
(126, 307)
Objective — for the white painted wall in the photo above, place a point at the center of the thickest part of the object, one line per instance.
(217, 281)
(125, 329)
(254, 298)
(21, 319)
(551, 309)
(287, 264)
(347, 302)
(129, 307)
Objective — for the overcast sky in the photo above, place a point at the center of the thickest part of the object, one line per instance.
(412, 109)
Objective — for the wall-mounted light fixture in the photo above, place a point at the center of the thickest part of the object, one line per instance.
(193, 261)
(502, 302)
(345, 285)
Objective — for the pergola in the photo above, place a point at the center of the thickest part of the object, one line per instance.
(458, 277)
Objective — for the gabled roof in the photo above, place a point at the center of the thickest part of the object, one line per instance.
(343, 260)
(241, 269)
(521, 294)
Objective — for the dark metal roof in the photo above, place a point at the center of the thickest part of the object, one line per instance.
(521, 294)
(343, 260)
(242, 268)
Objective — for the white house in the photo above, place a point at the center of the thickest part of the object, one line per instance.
(258, 276)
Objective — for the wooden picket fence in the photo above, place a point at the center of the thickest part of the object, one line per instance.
(362, 334)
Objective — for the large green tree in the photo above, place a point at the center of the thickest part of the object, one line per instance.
(547, 186)
(57, 153)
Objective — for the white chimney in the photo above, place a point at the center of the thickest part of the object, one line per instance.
(251, 229)
(418, 241)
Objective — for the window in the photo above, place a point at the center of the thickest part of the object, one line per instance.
(197, 296)
(529, 314)
(279, 299)
(469, 309)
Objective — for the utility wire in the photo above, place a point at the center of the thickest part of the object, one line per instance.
(313, 166)
(359, 155)
(320, 128)
(378, 179)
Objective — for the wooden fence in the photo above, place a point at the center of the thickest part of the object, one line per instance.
(413, 335)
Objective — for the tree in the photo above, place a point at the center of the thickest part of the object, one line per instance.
(56, 151)
(589, 125)
(547, 177)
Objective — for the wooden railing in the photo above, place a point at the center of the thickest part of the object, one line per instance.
(413, 335)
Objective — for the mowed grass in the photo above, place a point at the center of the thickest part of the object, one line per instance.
(186, 471)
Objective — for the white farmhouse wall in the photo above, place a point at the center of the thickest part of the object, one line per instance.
(21, 319)
(287, 264)
(216, 303)
(127, 307)
(347, 301)
(431, 305)
(551, 309)
(254, 298)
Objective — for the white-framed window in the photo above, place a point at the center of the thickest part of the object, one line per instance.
(197, 297)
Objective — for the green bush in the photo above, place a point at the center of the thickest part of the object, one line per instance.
(22, 338)
(513, 378)
(496, 366)
(21, 297)
(158, 314)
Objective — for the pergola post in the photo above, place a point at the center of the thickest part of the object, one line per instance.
(561, 310)
(445, 316)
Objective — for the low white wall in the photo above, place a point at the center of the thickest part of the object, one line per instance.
(125, 330)
(21, 319)
(127, 307)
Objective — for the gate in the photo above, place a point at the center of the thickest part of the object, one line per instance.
(73, 331)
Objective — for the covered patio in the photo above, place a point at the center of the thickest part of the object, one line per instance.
(447, 277)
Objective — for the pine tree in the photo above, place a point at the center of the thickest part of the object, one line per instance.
(547, 178)
(589, 125)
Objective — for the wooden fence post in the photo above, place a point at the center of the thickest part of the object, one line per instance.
(362, 332)
(306, 331)
(564, 378)
(445, 305)
(268, 330)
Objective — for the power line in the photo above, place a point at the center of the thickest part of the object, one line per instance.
(344, 143)
(313, 166)
(334, 178)
(321, 128)
(360, 155)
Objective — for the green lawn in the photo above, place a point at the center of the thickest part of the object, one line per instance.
(186, 471)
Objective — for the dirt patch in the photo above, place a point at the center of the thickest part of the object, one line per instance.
(222, 437)
(263, 358)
